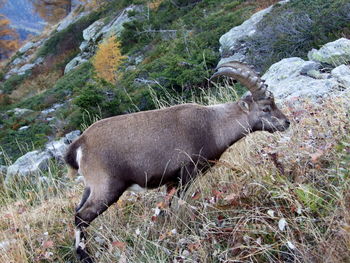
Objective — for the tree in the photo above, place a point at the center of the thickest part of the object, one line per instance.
(107, 59)
(52, 10)
(8, 38)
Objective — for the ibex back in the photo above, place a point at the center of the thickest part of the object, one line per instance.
(164, 147)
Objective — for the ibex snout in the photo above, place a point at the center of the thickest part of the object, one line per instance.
(284, 125)
(276, 122)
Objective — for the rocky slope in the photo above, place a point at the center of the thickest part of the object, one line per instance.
(49, 85)
(280, 197)
(23, 18)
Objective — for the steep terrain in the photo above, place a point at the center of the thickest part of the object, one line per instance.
(23, 18)
(272, 198)
(171, 47)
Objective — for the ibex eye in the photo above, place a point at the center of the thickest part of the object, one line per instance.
(266, 109)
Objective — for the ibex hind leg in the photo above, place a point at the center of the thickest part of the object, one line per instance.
(186, 176)
(94, 203)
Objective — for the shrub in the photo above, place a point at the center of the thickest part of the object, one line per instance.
(15, 142)
(35, 85)
(69, 38)
(89, 99)
(184, 59)
(107, 59)
(296, 27)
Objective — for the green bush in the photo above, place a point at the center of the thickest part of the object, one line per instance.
(182, 60)
(89, 99)
(69, 38)
(295, 28)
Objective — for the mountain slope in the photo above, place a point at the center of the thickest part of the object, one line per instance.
(23, 17)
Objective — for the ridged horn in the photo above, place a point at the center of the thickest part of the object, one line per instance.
(245, 75)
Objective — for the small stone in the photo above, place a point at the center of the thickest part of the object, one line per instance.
(23, 128)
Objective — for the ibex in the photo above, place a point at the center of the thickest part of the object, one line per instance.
(164, 147)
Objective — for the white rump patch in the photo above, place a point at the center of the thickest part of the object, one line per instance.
(136, 188)
(79, 156)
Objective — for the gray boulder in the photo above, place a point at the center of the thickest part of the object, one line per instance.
(22, 70)
(57, 148)
(232, 43)
(23, 128)
(115, 27)
(342, 75)
(91, 32)
(30, 163)
(291, 77)
(27, 46)
(53, 108)
(334, 53)
(75, 62)
(19, 60)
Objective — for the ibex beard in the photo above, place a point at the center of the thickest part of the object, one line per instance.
(164, 147)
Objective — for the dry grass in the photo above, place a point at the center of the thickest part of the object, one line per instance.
(35, 85)
(271, 198)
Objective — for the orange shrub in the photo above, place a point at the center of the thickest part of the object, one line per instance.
(107, 59)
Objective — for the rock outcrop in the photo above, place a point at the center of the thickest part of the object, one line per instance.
(97, 32)
(59, 147)
(334, 53)
(233, 47)
(30, 163)
(295, 77)
(35, 162)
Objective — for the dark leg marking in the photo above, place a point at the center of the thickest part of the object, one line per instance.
(95, 203)
(86, 195)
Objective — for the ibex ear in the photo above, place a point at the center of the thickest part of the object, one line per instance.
(243, 105)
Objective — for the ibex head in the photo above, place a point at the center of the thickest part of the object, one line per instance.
(260, 106)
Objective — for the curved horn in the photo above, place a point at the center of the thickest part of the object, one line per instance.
(245, 75)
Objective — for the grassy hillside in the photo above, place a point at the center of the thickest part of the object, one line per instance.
(271, 198)
(172, 47)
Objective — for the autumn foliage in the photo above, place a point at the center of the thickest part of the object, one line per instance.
(52, 11)
(107, 59)
(8, 38)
